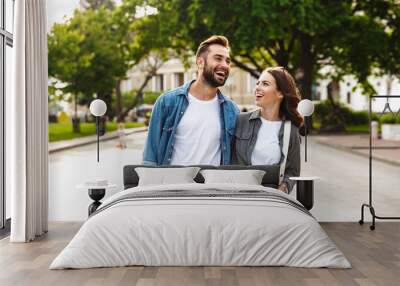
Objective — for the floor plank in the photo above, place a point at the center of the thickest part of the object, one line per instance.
(375, 257)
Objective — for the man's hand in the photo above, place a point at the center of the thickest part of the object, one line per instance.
(283, 188)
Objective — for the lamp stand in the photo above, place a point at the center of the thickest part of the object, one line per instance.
(305, 138)
(98, 135)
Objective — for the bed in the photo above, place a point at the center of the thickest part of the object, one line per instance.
(201, 224)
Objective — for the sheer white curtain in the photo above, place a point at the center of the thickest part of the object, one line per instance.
(27, 139)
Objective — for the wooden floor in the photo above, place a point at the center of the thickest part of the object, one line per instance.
(374, 255)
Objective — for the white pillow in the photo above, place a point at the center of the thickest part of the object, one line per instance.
(249, 177)
(166, 176)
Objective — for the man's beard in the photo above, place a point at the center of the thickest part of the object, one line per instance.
(210, 78)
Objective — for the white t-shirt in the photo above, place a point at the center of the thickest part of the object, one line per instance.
(267, 150)
(198, 134)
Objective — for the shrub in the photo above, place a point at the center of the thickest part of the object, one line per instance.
(357, 117)
(63, 117)
(150, 97)
(389, 118)
(324, 115)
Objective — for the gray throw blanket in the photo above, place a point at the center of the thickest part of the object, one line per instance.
(206, 194)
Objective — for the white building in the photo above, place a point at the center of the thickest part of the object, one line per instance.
(240, 84)
(348, 92)
(173, 74)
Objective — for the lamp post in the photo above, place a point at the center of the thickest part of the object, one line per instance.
(98, 108)
(306, 109)
(305, 185)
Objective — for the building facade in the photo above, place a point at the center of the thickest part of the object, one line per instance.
(240, 84)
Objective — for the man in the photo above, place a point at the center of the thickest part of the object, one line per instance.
(194, 124)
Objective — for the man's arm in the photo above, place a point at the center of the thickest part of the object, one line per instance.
(232, 156)
(154, 133)
(236, 108)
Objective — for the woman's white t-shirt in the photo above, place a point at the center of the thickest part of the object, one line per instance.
(198, 134)
(267, 150)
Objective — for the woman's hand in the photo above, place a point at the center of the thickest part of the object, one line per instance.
(283, 188)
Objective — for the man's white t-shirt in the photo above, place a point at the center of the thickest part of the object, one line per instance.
(198, 134)
(267, 150)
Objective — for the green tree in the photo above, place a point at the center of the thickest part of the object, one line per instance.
(66, 60)
(388, 61)
(302, 36)
(84, 56)
(147, 48)
(96, 4)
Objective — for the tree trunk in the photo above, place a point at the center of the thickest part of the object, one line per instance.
(107, 98)
(306, 70)
(118, 98)
(139, 95)
(306, 67)
(76, 127)
(336, 114)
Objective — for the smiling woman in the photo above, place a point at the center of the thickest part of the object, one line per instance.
(270, 135)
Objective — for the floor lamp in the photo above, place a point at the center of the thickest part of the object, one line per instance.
(306, 109)
(305, 185)
(98, 108)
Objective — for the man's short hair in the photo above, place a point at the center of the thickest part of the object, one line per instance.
(213, 40)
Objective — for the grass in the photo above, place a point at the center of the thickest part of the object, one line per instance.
(357, 128)
(364, 128)
(316, 125)
(63, 131)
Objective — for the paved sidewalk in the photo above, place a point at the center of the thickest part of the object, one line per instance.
(383, 150)
(68, 144)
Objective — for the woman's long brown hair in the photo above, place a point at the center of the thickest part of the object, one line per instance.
(291, 95)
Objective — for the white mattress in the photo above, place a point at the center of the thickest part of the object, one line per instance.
(200, 231)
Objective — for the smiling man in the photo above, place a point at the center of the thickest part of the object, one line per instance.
(194, 124)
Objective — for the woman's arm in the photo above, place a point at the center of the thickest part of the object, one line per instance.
(293, 160)
(240, 142)
(234, 158)
(283, 187)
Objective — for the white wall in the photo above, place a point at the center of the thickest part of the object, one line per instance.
(360, 101)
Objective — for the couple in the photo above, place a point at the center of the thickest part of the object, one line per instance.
(196, 125)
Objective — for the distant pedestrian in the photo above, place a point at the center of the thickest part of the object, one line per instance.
(121, 136)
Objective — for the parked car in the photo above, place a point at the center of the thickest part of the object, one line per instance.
(144, 113)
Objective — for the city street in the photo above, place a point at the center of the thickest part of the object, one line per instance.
(339, 193)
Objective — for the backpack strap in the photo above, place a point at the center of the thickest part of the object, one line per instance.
(285, 149)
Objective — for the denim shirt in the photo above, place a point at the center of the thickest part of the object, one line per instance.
(167, 113)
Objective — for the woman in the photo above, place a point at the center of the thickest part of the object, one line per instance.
(259, 134)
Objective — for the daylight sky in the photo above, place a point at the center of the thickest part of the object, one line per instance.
(57, 10)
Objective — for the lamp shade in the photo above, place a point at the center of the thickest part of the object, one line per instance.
(98, 107)
(305, 107)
